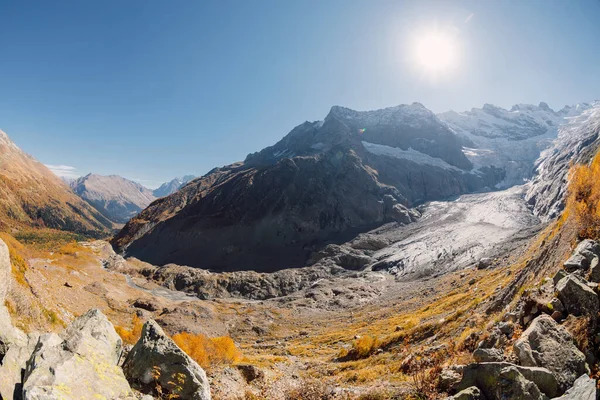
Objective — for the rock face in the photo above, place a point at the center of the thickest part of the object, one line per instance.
(584, 388)
(81, 363)
(13, 367)
(549, 345)
(32, 196)
(12, 361)
(156, 360)
(577, 297)
(471, 393)
(117, 198)
(9, 335)
(495, 379)
(172, 186)
(324, 182)
(577, 142)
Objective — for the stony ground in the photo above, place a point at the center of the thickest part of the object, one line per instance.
(438, 298)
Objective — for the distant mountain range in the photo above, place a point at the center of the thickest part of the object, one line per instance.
(171, 187)
(31, 196)
(119, 199)
(327, 180)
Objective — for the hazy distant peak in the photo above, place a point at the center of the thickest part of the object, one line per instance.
(172, 186)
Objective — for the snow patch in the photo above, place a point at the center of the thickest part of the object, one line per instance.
(410, 155)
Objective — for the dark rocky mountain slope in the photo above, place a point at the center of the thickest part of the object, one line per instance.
(324, 182)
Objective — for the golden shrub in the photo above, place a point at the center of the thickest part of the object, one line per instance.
(208, 352)
(583, 200)
(362, 347)
(131, 336)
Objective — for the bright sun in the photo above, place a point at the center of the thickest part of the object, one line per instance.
(435, 52)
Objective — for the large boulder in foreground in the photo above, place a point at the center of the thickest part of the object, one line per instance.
(496, 378)
(156, 360)
(547, 344)
(79, 364)
(584, 388)
(13, 368)
(471, 393)
(577, 297)
(583, 255)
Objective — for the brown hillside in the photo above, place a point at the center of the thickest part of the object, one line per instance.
(31, 196)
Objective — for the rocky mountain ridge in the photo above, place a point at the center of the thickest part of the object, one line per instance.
(172, 186)
(578, 141)
(117, 198)
(32, 196)
(318, 184)
(509, 139)
(352, 167)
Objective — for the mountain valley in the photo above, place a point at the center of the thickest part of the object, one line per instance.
(372, 255)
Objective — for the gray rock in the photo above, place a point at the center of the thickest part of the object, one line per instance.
(511, 317)
(448, 380)
(558, 276)
(582, 256)
(488, 355)
(13, 368)
(156, 360)
(79, 364)
(471, 393)
(484, 263)
(250, 372)
(92, 336)
(490, 376)
(403, 215)
(513, 385)
(547, 344)
(9, 334)
(506, 328)
(557, 305)
(576, 262)
(369, 242)
(594, 275)
(588, 248)
(584, 388)
(578, 298)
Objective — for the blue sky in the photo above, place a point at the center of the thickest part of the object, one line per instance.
(155, 89)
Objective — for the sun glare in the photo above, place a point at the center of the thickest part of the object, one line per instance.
(435, 52)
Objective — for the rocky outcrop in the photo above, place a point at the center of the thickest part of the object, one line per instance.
(584, 388)
(471, 393)
(547, 344)
(81, 363)
(156, 360)
(578, 298)
(13, 367)
(9, 335)
(495, 379)
(583, 255)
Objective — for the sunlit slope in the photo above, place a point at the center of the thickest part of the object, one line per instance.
(31, 196)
